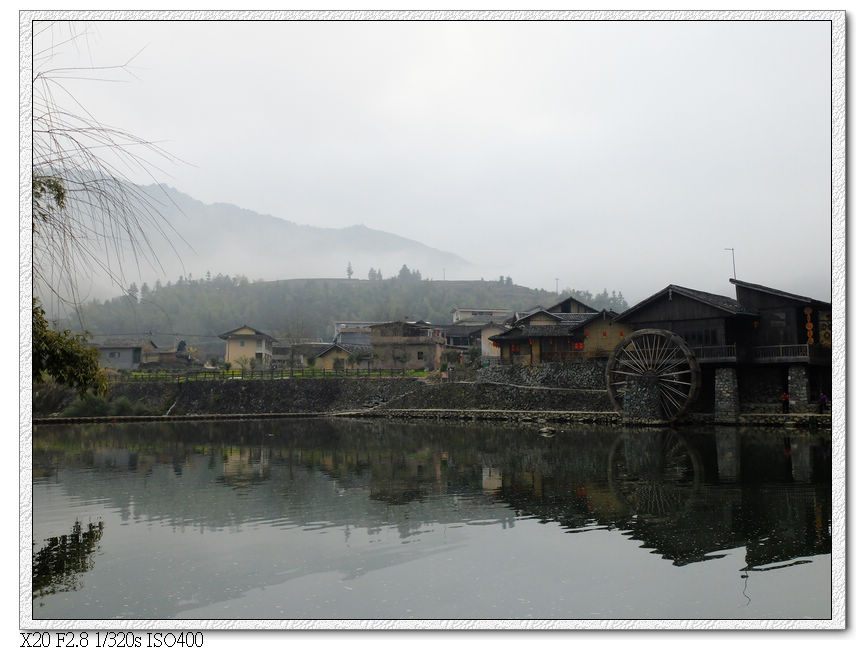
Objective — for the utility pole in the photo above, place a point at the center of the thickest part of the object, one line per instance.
(733, 251)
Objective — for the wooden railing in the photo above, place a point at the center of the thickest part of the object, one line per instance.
(776, 352)
(716, 352)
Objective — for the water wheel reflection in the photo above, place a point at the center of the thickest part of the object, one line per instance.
(654, 473)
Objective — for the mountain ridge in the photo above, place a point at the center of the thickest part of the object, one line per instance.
(191, 238)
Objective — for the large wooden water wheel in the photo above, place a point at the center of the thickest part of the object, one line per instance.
(655, 363)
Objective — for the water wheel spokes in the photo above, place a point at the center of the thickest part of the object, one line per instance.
(657, 358)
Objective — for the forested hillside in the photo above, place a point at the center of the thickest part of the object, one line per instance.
(197, 311)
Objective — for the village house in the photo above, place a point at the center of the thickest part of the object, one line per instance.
(474, 315)
(545, 337)
(489, 351)
(567, 331)
(293, 352)
(571, 305)
(353, 332)
(247, 345)
(125, 353)
(474, 327)
(413, 346)
(180, 356)
(462, 335)
(345, 356)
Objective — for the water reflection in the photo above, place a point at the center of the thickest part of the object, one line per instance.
(60, 562)
(654, 473)
(689, 496)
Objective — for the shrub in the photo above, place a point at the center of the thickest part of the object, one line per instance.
(88, 406)
(94, 406)
(121, 406)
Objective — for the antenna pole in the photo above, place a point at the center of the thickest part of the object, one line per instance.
(733, 251)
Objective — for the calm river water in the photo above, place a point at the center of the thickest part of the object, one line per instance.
(343, 519)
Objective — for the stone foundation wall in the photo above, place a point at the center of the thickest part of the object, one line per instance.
(332, 395)
(799, 388)
(641, 401)
(726, 395)
(588, 374)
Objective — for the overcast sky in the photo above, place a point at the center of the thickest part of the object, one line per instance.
(618, 155)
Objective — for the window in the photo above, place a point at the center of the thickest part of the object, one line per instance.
(242, 343)
(420, 355)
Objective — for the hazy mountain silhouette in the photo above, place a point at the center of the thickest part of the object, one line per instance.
(221, 237)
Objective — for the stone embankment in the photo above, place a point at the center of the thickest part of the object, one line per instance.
(589, 375)
(332, 396)
(501, 394)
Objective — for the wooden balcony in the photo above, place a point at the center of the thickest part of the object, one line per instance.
(716, 354)
(781, 353)
(763, 354)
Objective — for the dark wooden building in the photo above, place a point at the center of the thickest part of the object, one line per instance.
(761, 325)
(760, 345)
(714, 326)
(788, 327)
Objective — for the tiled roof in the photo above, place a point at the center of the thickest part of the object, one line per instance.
(721, 302)
(774, 292)
(351, 348)
(564, 317)
(462, 329)
(577, 318)
(257, 333)
(561, 303)
(121, 342)
(538, 331)
(478, 321)
(724, 303)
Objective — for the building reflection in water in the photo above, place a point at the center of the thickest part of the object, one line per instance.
(688, 495)
(770, 494)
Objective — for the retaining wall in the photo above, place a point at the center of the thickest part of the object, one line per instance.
(332, 394)
(588, 375)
